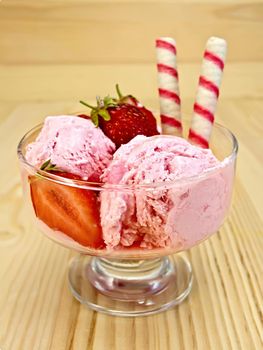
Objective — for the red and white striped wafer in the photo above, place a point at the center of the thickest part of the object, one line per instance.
(208, 91)
(170, 104)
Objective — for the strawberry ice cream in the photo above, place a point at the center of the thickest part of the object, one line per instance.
(74, 145)
(174, 203)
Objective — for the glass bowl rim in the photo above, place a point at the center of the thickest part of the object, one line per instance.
(131, 187)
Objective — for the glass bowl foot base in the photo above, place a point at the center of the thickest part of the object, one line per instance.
(130, 287)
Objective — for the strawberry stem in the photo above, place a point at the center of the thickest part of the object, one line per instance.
(118, 91)
(87, 105)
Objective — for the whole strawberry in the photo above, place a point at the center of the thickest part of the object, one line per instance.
(122, 119)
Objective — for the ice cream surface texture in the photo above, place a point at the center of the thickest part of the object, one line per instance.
(172, 204)
(74, 144)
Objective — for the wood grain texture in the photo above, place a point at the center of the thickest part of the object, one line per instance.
(72, 82)
(50, 58)
(124, 32)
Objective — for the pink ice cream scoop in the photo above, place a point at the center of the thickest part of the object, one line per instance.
(74, 144)
(180, 194)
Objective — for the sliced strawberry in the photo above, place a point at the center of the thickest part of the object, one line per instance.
(71, 210)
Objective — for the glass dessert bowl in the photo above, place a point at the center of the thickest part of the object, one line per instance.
(125, 234)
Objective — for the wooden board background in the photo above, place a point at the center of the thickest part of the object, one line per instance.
(53, 53)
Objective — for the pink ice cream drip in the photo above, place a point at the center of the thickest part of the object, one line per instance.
(179, 211)
(74, 144)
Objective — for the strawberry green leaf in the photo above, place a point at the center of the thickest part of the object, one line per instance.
(101, 108)
(95, 118)
(104, 114)
(109, 102)
(48, 166)
(45, 164)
